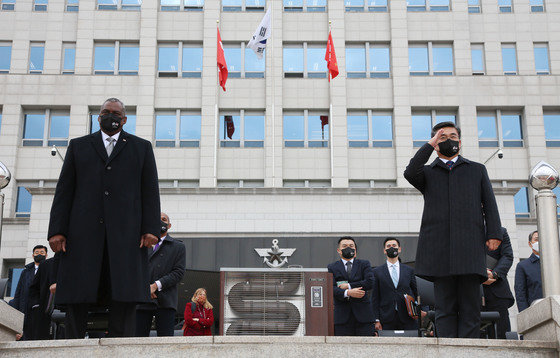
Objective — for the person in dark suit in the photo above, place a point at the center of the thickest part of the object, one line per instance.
(167, 267)
(460, 216)
(497, 294)
(21, 297)
(41, 292)
(104, 216)
(392, 281)
(528, 280)
(352, 277)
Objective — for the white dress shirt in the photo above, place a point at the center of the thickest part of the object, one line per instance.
(158, 282)
(36, 268)
(454, 160)
(104, 136)
(344, 261)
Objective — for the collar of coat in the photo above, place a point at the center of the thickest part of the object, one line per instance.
(534, 258)
(439, 163)
(97, 141)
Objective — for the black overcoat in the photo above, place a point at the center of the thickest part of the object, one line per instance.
(113, 200)
(457, 205)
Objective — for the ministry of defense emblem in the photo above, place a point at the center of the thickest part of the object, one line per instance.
(275, 257)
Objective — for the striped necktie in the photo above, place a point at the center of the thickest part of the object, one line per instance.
(450, 164)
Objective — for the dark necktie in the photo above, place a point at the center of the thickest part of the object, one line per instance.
(450, 164)
(348, 267)
(157, 246)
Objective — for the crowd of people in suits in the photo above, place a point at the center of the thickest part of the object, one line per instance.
(111, 243)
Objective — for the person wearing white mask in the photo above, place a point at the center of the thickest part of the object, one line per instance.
(528, 282)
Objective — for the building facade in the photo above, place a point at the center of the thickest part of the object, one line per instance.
(283, 153)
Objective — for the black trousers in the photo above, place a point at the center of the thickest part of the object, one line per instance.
(458, 302)
(40, 324)
(353, 328)
(499, 305)
(398, 324)
(165, 322)
(122, 315)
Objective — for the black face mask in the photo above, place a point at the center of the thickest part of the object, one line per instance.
(449, 147)
(39, 258)
(348, 252)
(110, 122)
(164, 226)
(392, 252)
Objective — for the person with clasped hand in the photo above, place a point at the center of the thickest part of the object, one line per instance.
(528, 281)
(104, 217)
(460, 217)
(199, 317)
(352, 277)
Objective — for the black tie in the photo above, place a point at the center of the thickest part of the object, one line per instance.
(348, 267)
(450, 164)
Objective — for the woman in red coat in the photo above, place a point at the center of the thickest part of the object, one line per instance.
(198, 315)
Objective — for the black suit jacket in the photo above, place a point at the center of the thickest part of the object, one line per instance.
(460, 215)
(385, 296)
(528, 282)
(167, 265)
(504, 255)
(105, 200)
(361, 276)
(39, 291)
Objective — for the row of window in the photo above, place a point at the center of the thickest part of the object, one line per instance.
(371, 60)
(307, 128)
(504, 6)
(521, 202)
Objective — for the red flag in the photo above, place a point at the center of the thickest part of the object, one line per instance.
(324, 121)
(230, 126)
(330, 57)
(222, 66)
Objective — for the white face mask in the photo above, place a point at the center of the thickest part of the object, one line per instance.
(535, 246)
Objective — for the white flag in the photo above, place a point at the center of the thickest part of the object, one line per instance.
(262, 33)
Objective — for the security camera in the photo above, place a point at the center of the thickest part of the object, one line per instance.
(53, 151)
(500, 154)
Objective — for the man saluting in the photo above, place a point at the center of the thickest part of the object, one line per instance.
(460, 216)
(104, 215)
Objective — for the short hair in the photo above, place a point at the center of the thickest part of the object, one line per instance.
(531, 235)
(40, 247)
(113, 99)
(391, 239)
(347, 238)
(441, 125)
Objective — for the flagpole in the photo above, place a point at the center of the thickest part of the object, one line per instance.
(216, 124)
(331, 122)
(273, 73)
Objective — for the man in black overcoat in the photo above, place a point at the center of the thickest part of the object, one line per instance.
(460, 217)
(41, 292)
(497, 293)
(104, 216)
(166, 264)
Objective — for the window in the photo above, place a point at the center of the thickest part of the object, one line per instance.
(439, 5)
(507, 132)
(72, 5)
(505, 6)
(23, 203)
(423, 122)
(509, 59)
(370, 128)
(477, 59)
(0, 117)
(68, 57)
(40, 5)
(8, 5)
(177, 5)
(187, 57)
(474, 7)
(422, 5)
(132, 5)
(366, 5)
(107, 55)
(556, 192)
(307, 5)
(542, 65)
(430, 59)
(46, 128)
(372, 56)
(242, 129)
(416, 5)
(129, 127)
(306, 129)
(5, 56)
(180, 128)
(305, 61)
(243, 63)
(552, 128)
(537, 5)
(521, 203)
(243, 5)
(36, 57)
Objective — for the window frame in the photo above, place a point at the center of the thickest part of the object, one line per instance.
(479, 46)
(72, 7)
(22, 214)
(551, 143)
(526, 214)
(46, 140)
(475, 9)
(118, 6)
(31, 45)
(538, 8)
(183, 6)
(38, 6)
(67, 46)
(305, 74)
(306, 113)
(417, 8)
(177, 142)
(179, 73)
(368, 46)
(545, 46)
(505, 9)
(433, 113)
(10, 45)
(500, 142)
(371, 143)
(7, 5)
(430, 46)
(243, 72)
(241, 142)
(509, 45)
(117, 49)
(243, 7)
(305, 7)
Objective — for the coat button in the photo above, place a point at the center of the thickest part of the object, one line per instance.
(109, 168)
(106, 193)
(101, 221)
